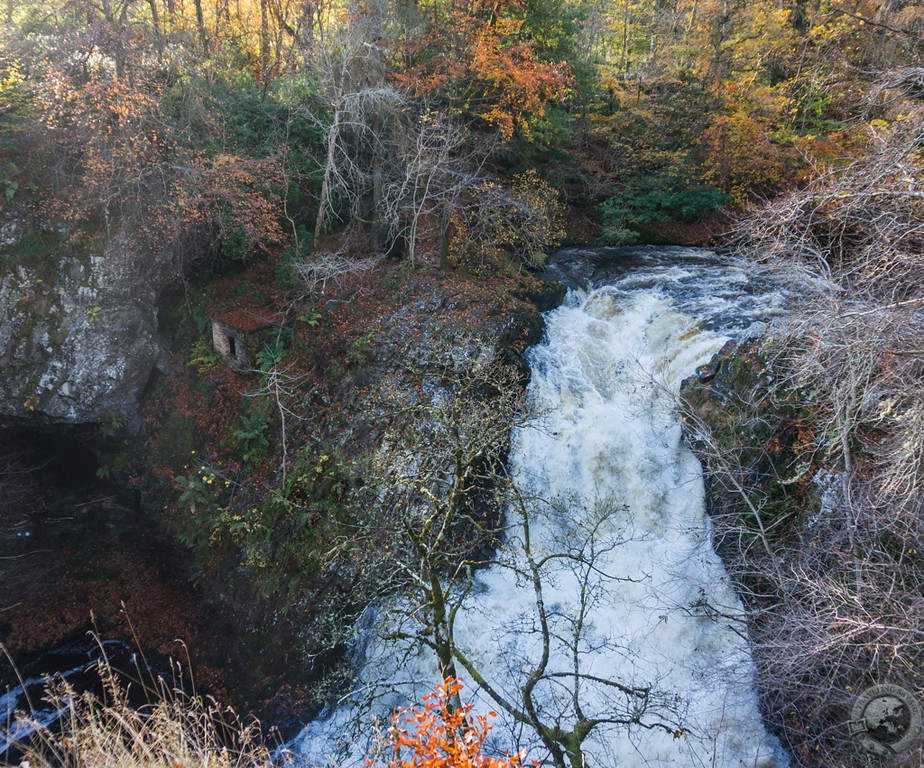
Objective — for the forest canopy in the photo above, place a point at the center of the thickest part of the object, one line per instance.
(229, 129)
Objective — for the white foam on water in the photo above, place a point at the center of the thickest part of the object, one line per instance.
(605, 456)
(16, 723)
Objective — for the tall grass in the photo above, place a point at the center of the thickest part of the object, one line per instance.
(173, 730)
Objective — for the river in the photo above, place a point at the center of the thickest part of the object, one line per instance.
(633, 594)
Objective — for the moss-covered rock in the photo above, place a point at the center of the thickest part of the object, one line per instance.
(754, 440)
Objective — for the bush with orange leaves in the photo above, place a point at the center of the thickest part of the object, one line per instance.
(443, 734)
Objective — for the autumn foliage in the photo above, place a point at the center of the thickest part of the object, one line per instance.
(484, 62)
(738, 158)
(111, 132)
(121, 154)
(442, 736)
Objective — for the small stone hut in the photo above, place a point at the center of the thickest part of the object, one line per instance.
(239, 334)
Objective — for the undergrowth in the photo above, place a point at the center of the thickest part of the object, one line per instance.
(107, 731)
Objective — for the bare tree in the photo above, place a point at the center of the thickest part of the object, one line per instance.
(315, 272)
(280, 384)
(557, 691)
(351, 70)
(435, 164)
(817, 463)
(440, 489)
(832, 589)
(850, 243)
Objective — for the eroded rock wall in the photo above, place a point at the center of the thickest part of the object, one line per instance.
(78, 334)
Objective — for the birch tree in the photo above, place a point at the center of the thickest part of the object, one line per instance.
(350, 69)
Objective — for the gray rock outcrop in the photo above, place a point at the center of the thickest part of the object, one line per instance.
(78, 334)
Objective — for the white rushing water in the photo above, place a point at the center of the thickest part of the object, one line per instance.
(25, 708)
(635, 593)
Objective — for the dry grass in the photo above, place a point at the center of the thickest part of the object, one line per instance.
(174, 730)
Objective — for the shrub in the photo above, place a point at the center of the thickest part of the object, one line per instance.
(443, 734)
(648, 199)
(738, 158)
(522, 222)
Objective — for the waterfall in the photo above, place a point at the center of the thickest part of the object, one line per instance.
(632, 590)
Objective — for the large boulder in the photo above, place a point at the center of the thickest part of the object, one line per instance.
(78, 333)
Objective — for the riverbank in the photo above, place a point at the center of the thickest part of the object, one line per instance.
(829, 577)
(250, 625)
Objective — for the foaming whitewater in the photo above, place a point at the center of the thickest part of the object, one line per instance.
(632, 589)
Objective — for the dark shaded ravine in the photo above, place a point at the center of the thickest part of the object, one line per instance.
(78, 557)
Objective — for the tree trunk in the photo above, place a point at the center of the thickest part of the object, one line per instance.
(264, 43)
(442, 635)
(625, 39)
(325, 183)
(378, 182)
(155, 16)
(200, 24)
(412, 243)
(445, 223)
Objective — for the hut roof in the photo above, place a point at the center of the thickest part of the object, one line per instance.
(248, 320)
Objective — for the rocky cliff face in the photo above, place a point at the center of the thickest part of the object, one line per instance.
(78, 333)
(830, 576)
(79, 345)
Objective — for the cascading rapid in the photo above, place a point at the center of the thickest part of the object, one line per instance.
(607, 590)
